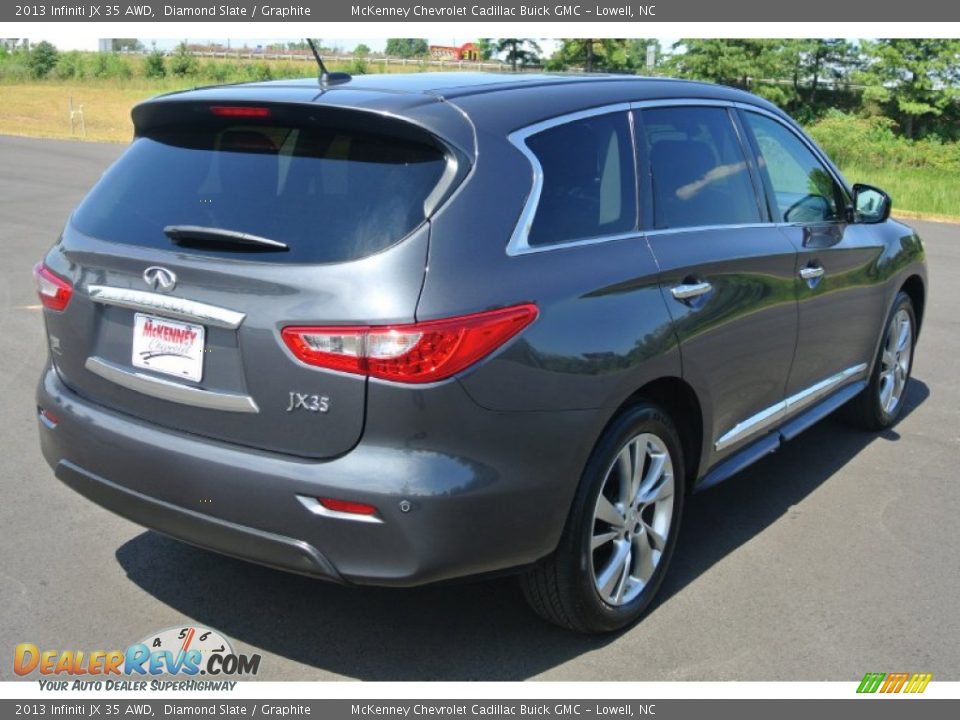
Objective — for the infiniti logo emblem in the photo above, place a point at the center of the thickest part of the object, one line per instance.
(160, 278)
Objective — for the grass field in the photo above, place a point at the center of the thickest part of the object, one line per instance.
(42, 110)
(920, 190)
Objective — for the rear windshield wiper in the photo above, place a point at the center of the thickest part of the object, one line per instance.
(198, 235)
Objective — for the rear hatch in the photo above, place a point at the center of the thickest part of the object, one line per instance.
(221, 225)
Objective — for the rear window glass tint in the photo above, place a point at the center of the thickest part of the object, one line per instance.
(589, 184)
(698, 168)
(331, 195)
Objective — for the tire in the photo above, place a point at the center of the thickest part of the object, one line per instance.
(573, 587)
(881, 402)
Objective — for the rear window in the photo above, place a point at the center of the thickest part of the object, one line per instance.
(331, 195)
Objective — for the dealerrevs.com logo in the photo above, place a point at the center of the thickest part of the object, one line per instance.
(185, 652)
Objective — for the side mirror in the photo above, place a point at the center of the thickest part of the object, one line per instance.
(871, 204)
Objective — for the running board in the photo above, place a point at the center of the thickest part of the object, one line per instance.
(770, 442)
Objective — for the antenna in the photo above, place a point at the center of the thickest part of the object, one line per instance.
(327, 78)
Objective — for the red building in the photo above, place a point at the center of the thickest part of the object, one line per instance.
(448, 52)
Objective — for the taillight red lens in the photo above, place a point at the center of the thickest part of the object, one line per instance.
(54, 291)
(240, 111)
(417, 353)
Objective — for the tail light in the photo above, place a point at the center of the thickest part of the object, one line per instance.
(54, 291)
(417, 353)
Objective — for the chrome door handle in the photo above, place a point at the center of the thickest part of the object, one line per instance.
(811, 273)
(690, 290)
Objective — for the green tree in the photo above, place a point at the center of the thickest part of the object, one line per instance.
(183, 63)
(608, 54)
(43, 59)
(736, 62)
(154, 65)
(486, 47)
(916, 78)
(406, 47)
(826, 58)
(519, 51)
(361, 50)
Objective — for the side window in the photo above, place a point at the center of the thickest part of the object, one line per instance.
(589, 185)
(698, 169)
(803, 189)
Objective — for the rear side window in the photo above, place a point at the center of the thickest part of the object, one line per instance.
(589, 183)
(331, 195)
(699, 172)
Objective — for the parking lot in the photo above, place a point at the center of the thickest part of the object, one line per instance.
(836, 556)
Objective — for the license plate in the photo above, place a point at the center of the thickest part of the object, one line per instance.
(169, 347)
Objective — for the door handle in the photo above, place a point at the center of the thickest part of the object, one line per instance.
(688, 291)
(811, 272)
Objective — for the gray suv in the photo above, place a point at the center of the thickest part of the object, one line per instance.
(402, 329)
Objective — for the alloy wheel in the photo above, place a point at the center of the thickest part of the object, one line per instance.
(631, 520)
(895, 361)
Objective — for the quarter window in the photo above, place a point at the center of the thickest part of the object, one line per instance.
(803, 190)
(698, 170)
(589, 185)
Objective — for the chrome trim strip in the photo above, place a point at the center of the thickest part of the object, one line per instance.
(794, 403)
(519, 244)
(166, 305)
(681, 102)
(753, 424)
(169, 390)
(822, 388)
(314, 506)
(704, 228)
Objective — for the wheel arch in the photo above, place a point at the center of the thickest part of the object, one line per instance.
(680, 402)
(913, 286)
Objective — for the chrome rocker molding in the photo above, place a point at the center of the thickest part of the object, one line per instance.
(770, 442)
(171, 391)
(794, 403)
(167, 306)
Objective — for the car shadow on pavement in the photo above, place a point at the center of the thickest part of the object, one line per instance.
(479, 630)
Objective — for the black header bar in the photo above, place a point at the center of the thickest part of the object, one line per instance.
(443, 11)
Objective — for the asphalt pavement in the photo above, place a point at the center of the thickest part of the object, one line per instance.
(835, 556)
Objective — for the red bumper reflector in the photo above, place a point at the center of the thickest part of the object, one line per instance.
(346, 506)
(48, 418)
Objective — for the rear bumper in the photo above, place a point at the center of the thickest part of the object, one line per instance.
(196, 528)
(487, 492)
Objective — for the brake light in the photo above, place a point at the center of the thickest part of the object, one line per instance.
(240, 111)
(417, 353)
(54, 291)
